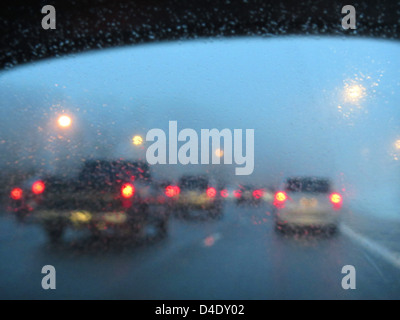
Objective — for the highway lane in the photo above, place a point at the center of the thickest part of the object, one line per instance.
(238, 257)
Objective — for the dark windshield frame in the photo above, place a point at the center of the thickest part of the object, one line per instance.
(103, 24)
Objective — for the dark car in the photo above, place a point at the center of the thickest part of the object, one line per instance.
(252, 195)
(115, 198)
(198, 193)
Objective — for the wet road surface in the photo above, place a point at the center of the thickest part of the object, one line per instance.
(240, 256)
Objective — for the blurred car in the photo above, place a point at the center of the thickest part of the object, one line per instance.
(169, 194)
(24, 198)
(307, 202)
(115, 197)
(198, 193)
(248, 194)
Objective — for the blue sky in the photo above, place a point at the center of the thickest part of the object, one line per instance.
(290, 90)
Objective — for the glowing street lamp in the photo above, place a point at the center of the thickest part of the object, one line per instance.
(397, 144)
(137, 140)
(354, 92)
(219, 153)
(64, 121)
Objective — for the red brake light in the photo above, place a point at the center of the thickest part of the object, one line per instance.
(336, 199)
(237, 193)
(257, 194)
(172, 191)
(127, 190)
(16, 193)
(38, 187)
(224, 193)
(211, 192)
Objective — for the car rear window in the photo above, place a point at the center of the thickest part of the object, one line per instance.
(110, 172)
(193, 183)
(307, 185)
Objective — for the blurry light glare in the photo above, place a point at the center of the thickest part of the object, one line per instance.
(64, 121)
(80, 216)
(127, 190)
(397, 144)
(16, 193)
(38, 187)
(280, 196)
(137, 140)
(211, 192)
(219, 153)
(172, 191)
(209, 241)
(224, 193)
(336, 198)
(237, 193)
(354, 92)
(257, 194)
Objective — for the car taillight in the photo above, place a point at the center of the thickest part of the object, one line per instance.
(211, 192)
(127, 190)
(172, 191)
(224, 193)
(280, 198)
(38, 187)
(258, 194)
(336, 200)
(16, 194)
(237, 194)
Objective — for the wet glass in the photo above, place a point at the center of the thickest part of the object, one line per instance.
(319, 107)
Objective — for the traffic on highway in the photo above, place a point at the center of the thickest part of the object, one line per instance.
(212, 169)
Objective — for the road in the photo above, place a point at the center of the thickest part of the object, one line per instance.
(240, 256)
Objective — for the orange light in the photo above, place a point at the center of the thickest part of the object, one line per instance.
(354, 92)
(211, 192)
(16, 193)
(38, 187)
(172, 191)
(219, 153)
(336, 198)
(127, 190)
(280, 196)
(397, 144)
(279, 199)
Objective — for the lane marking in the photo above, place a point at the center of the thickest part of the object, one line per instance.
(374, 265)
(390, 256)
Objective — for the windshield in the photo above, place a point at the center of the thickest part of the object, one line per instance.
(319, 113)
